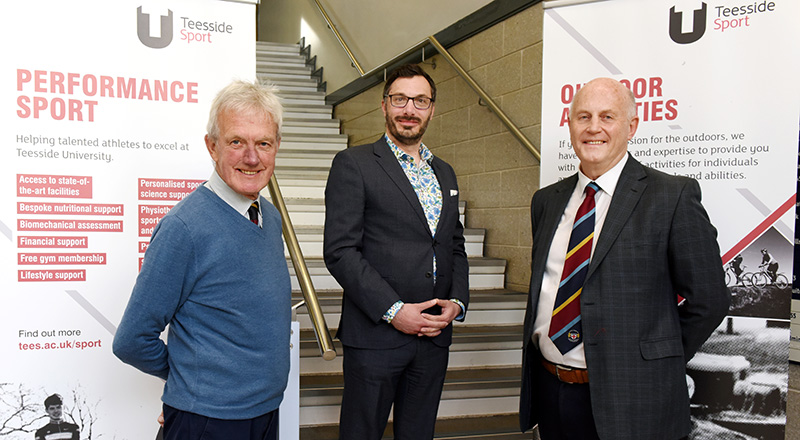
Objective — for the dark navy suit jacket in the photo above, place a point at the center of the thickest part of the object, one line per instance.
(380, 249)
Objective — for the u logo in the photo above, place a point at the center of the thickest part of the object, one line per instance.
(676, 25)
(143, 29)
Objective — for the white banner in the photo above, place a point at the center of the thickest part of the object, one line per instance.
(718, 96)
(104, 106)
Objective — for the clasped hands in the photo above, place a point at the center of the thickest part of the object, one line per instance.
(410, 318)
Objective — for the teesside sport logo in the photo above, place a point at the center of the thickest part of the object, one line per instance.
(726, 19)
(191, 30)
(146, 34)
(676, 26)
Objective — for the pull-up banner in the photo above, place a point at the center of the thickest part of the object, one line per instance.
(103, 107)
(718, 100)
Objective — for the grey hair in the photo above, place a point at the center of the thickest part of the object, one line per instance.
(243, 96)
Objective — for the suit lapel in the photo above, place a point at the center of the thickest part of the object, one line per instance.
(629, 190)
(388, 162)
(550, 219)
(447, 199)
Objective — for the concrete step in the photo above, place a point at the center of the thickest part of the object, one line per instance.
(275, 73)
(272, 68)
(303, 121)
(280, 60)
(291, 143)
(310, 158)
(299, 174)
(288, 54)
(310, 113)
(311, 212)
(490, 336)
(304, 100)
(298, 124)
(478, 427)
(310, 238)
(340, 139)
(467, 336)
(302, 188)
(299, 95)
(484, 273)
(269, 47)
(491, 317)
(306, 109)
(309, 84)
(301, 169)
(466, 392)
(292, 86)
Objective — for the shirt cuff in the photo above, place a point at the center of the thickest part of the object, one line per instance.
(460, 317)
(392, 312)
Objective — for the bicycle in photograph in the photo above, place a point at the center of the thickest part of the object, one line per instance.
(744, 279)
(762, 278)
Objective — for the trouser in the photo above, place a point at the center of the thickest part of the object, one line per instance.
(411, 377)
(182, 425)
(566, 409)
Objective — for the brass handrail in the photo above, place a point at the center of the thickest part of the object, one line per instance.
(303, 277)
(332, 27)
(515, 131)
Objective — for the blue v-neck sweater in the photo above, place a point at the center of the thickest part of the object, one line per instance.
(222, 285)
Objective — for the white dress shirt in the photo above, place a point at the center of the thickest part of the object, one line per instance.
(576, 357)
(236, 201)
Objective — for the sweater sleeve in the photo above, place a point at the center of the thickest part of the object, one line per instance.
(159, 291)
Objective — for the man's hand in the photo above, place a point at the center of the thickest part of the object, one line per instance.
(450, 311)
(411, 320)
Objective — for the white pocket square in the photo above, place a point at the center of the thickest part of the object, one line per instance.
(453, 192)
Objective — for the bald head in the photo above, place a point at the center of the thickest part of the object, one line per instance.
(602, 119)
(610, 86)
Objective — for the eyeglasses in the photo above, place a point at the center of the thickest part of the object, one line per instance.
(400, 101)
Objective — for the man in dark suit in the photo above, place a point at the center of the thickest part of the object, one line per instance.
(615, 368)
(394, 242)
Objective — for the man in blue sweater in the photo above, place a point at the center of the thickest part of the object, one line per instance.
(215, 272)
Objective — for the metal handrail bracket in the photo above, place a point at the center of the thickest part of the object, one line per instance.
(303, 277)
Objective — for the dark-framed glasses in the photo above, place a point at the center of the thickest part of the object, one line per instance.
(400, 101)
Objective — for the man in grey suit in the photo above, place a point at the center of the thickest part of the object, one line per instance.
(615, 369)
(394, 242)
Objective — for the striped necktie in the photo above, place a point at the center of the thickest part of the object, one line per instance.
(565, 325)
(252, 212)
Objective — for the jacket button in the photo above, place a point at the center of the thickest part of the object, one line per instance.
(428, 274)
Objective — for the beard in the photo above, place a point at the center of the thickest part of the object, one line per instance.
(407, 136)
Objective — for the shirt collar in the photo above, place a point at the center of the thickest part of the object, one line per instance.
(608, 181)
(237, 201)
(424, 152)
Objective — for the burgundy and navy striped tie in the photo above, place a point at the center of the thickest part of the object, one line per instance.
(565, 326)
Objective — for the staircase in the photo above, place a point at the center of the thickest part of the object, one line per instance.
(481, 392)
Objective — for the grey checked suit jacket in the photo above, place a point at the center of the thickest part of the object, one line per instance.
(380, 249)
(656, 243)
